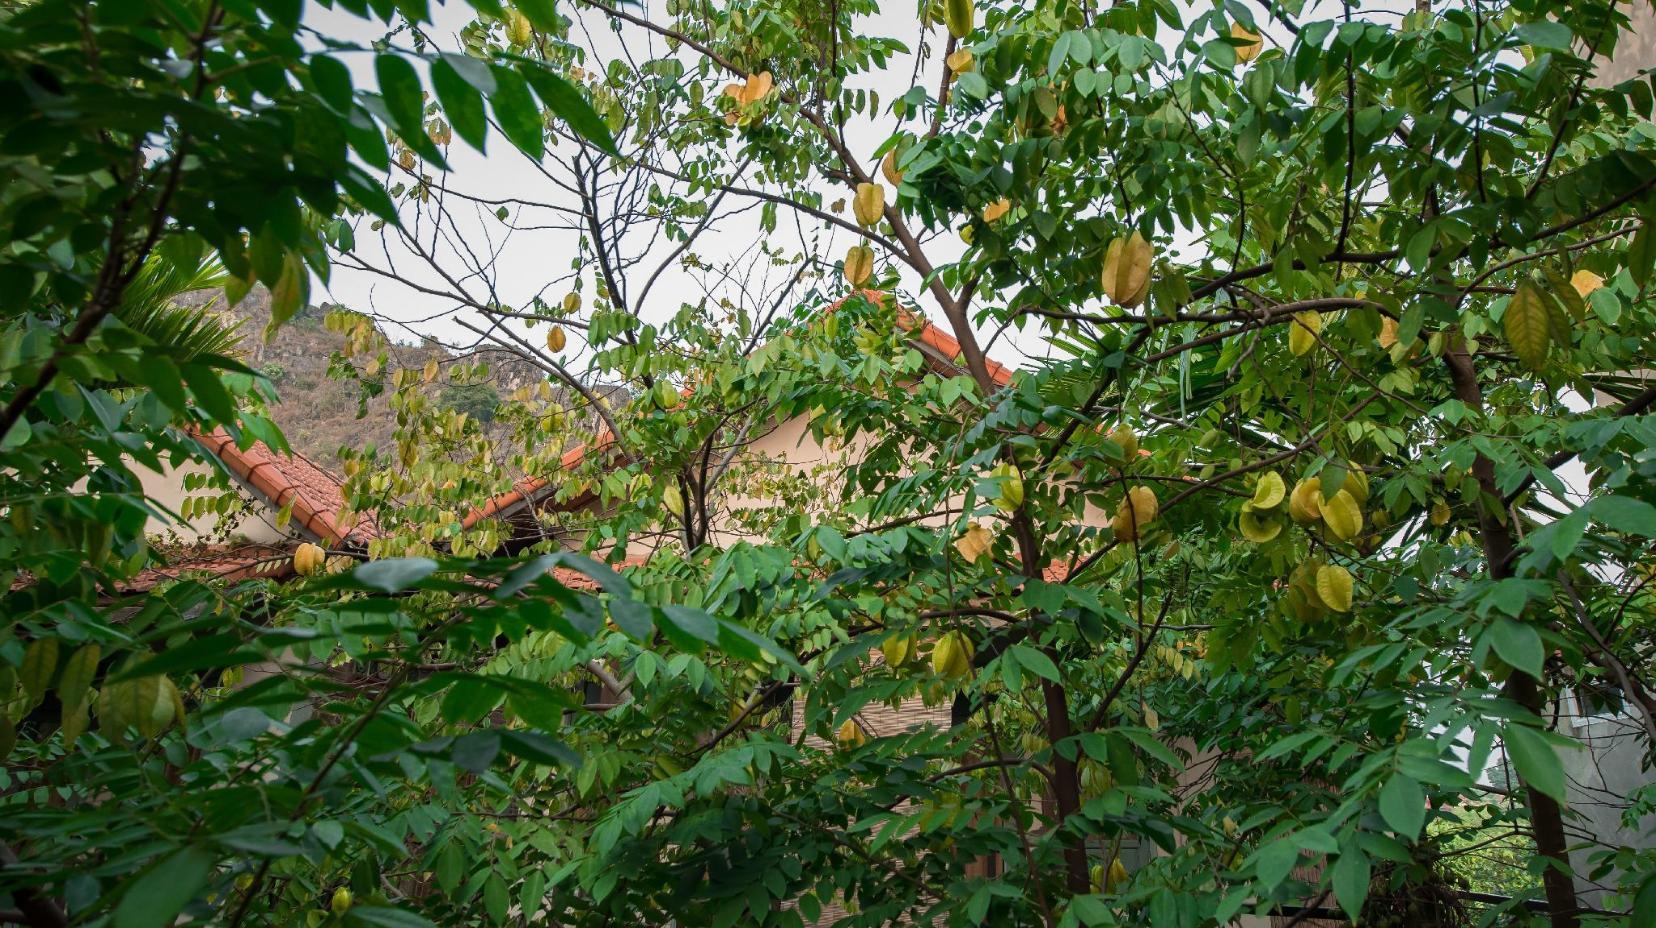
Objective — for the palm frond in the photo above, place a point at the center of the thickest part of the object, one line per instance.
(149, 308)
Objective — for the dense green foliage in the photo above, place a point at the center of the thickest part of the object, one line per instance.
(1230, 585)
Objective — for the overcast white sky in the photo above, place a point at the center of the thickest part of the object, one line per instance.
(532, 260)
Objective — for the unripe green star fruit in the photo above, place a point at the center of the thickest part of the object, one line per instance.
(1269, 492)
(1303, 332)
(897, 650)
(1342, 515)
(673, 500)
(1334, 587)
(952, 655)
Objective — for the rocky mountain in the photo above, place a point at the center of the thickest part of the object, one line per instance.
(321, 414)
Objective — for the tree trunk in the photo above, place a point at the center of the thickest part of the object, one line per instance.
(1546, 819)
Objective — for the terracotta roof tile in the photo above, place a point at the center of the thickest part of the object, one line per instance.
(317, 497)
(576, 580)
(238, 563)
(529, 487)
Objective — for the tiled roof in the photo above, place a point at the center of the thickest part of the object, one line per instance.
(238, 563)
(930, 335)
(316, 496)
(529, 487)
(576, 580)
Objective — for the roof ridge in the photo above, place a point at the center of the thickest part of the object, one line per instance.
(268, 472)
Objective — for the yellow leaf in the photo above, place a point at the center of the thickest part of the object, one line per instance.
(1525, 326)
(1302, 332)
(39, 663)
(1269, 491)
(1585, 282)
(1334, 587)
(1342, 515)
(975, 543)
(1250, 51)
(1388, 332)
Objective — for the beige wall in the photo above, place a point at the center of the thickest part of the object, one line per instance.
(167, 490)
(1635, 50)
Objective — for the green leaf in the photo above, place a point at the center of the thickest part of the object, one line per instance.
(39, 663)
(1350, 879)
(476, 751)
(688, 628)
(462, 103)
(1626, 514)
(158, 894)
(495, 898)
(290, 292)
(1544, 34)
(1518, 644)
(395, 574)
(400, 89)
(515, 110)
(1060, 53)
(208, 390)
(542, 14)
(1037, 662)
(734, 639)
(1274, 861)
(1641, 254)
(384, 917)
(78, 671)
(570, 105)
(1536, 760)
(536, 747)
(333, 82)
(1403, 805)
